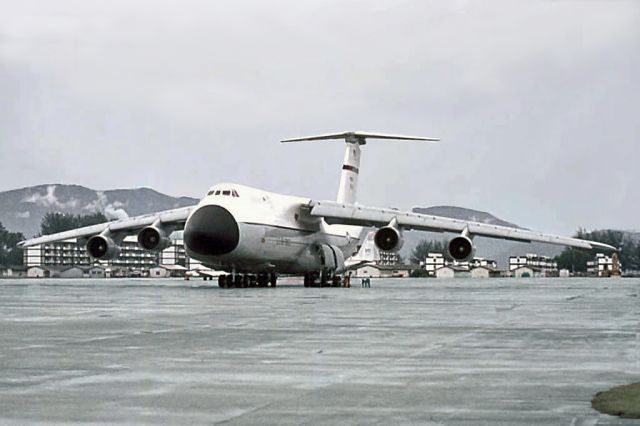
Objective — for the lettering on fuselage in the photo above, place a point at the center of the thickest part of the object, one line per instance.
(282, 241)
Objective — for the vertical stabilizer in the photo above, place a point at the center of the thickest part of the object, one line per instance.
(351, 164)
(350, 170)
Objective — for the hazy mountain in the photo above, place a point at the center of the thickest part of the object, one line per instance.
(23, 209)
(464, 214)
(489, 248)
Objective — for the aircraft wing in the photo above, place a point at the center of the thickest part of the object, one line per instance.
(347, 214)
(175, 218)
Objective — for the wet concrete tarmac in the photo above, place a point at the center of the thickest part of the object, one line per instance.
(459, 352)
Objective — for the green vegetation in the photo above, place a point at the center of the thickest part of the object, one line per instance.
(424, 247)
(420, 252)
(53, 222)
(576, 260)
(622, 401)
(10, 255)
(419, 273)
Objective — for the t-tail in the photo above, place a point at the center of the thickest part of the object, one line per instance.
(351, 164)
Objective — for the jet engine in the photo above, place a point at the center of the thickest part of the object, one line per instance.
(461, 248)
(153, 238)
(389, 238)
(102, 247)
(331, 258)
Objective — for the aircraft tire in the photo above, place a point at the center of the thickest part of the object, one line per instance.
(336, 281)
(263, 279)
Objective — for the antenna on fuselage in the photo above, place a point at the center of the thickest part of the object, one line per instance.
(351, 164)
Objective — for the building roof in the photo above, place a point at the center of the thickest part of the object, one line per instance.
(533, 268)
(454, 268)
(84, 269)
(487, 267)
(391, 267)
(171, 267)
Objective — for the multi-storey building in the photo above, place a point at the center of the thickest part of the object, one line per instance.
(433, 262)
(388, 258)
(533, 265)
(603, 266)
(133, 260)
(436, 261)
(532, 260)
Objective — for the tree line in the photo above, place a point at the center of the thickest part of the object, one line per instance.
(54, 222)
(576, 259)
(10, 254)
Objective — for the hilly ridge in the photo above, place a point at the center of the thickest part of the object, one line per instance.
(488, 248)
(23, 209)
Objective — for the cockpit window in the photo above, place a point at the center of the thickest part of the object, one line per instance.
(230, 192)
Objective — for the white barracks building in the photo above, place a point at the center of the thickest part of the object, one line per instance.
(55, 258)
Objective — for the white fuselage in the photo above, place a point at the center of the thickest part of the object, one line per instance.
(274, 232)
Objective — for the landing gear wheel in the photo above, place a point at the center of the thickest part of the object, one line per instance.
(264, 280)
(336, 281)
(222, 281)
(273, 279)
(306, 280)
(252, 281)
(323, 279)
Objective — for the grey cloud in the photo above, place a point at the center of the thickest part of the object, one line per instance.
(111, 210)
(49, 199)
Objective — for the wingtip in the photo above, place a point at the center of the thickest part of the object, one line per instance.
(602, 246)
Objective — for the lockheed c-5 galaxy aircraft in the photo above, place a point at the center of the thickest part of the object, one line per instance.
(255, 235)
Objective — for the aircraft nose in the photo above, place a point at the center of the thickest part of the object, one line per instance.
(211, 230)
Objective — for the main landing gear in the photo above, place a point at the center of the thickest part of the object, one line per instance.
(322, 279)
(247, 280)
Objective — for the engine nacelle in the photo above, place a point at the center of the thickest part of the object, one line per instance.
(153, 238)
(388, 238)
(461, 248)
(331, 258)
(102, 247)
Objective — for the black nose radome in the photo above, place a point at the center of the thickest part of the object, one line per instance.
(211, 230)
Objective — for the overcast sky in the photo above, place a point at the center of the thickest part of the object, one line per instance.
(537, 102)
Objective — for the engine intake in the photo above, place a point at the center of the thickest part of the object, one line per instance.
(102, 247)
(153, 238)
(388, 238)
(461, 248)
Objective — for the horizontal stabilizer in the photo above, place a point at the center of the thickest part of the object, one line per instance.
(359, 137)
